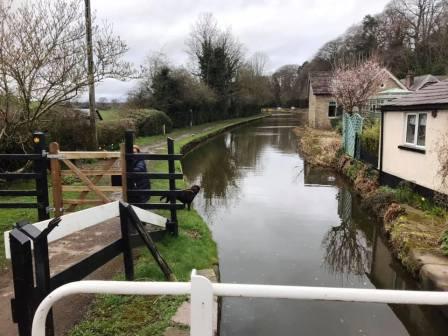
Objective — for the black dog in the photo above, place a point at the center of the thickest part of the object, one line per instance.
(185, 196)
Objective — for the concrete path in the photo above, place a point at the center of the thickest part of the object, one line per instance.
(180, 322)
(63, 253)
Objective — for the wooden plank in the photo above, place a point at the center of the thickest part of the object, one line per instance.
(20, 156)
(159, 206)
(89, 155)
(19, 205)
(83, 201)
(87, 172)
(85, 179)
(86, 266)
(86, 188)
(18, 192)
(124, 180)
(155, 157)
(83, 219)
(56, 181)
(157, 176)
(107, 165)
(152, 192)
(18, 176)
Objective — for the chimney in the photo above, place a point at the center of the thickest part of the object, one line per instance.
(409, 80)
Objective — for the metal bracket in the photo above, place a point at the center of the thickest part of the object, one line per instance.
(51, 209)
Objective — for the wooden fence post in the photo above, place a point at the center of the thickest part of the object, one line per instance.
(128, 149)
(126, 243)
(123, 166)
(173, 225)
(40, 167)
(56, 182)
(22, 272)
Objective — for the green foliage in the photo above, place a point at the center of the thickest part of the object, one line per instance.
(444, 243)
(378, 202)
(336, 124)
(149, 122)
(143, 315)
(68, 127)
(353, 169)
(111, 133)
(370, 137)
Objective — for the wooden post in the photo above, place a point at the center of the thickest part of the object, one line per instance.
(56, 181)
(22, 272)
(40, 167)
(128, 148)
(173, 225)
(124, 180)
(127, 248)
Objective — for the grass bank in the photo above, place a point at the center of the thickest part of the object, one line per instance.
(415, 226)
(194, 248)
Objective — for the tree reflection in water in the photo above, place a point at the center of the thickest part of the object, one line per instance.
(346, 249)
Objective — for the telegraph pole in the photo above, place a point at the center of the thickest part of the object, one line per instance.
(91, 78)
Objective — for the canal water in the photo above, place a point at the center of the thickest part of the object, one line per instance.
(279, 221)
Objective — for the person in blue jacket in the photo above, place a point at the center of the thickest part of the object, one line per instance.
(139, 166)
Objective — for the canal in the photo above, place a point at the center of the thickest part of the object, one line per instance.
(279, 221)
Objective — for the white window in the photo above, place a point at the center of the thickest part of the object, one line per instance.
(415, 129)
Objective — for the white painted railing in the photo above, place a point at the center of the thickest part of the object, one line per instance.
(202, 292)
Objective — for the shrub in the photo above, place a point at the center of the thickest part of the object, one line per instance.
(370, 137)
(68, 128)
(149, 122)
(111, 133)
(378, 202)
(444, 243)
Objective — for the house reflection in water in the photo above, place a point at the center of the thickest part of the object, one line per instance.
(357, 248)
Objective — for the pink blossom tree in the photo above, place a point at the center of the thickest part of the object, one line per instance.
(353, 85)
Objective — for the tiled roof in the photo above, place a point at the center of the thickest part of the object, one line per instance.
(320, 82)
(435, 95)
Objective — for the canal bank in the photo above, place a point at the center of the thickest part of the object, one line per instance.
(194, 248)
(413, 234)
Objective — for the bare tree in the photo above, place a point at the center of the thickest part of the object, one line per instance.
(258, 62)
(43, 62)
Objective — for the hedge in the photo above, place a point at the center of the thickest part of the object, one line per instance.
(149, 122)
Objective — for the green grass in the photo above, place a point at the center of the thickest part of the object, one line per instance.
(110, 114)
(194, 248)
(198, 131)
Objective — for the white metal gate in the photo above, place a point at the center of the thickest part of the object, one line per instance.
(202, 292)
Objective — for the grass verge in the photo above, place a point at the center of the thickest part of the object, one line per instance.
(194, 248)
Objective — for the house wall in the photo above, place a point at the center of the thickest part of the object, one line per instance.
(311, 108)
(318, 110)
(322, 120)
(421, 169)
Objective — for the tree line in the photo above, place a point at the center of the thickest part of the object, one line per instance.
(220, 83)
(407, 37)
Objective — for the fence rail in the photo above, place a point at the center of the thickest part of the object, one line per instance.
(39, 174)
(202, 292)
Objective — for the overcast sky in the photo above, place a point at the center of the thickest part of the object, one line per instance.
(288, 31)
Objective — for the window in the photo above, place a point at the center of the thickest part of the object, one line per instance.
(416, 129)
(332, 109)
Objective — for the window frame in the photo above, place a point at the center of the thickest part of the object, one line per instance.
(417, 122)
(335, 109)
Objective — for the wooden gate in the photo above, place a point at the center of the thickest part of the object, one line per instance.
(91, 183)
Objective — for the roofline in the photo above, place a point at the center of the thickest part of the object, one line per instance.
(396, 80)
(421, 107)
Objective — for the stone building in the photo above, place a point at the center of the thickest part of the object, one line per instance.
(323, 108)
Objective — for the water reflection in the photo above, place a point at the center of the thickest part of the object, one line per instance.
(278, 220)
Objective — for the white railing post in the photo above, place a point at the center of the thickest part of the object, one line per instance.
(201, 306)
